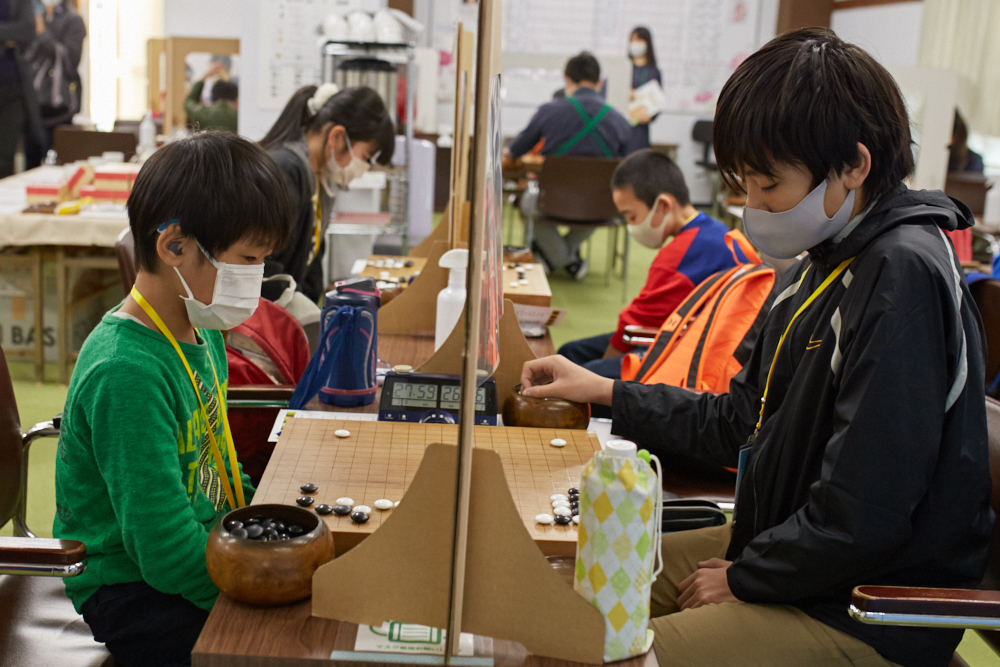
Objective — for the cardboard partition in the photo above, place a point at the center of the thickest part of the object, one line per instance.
(414, 311)
(514, 352)
(402, 571)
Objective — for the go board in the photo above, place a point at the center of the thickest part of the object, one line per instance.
(380, 459)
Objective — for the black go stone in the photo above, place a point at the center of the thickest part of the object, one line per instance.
(359, 517)
(308, 488)
(342, 510)
(304, 501)
(563, 520)
(233, 525)
(253, 520)
(294, 530)
(278, 525)
(575, 511)
(271, 533)
(254, 531)
(239, 532)
(284, 536)
(573, 492)
(324, 509)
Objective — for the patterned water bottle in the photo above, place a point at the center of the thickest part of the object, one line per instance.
(621, 505)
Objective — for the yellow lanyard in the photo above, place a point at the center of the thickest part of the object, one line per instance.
(319, 221)
(812, 297)
(233, 464)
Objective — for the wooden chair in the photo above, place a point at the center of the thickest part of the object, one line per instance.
(576, 191)
(946, 607)
(38, 625)
(125, 252)
(986, 294)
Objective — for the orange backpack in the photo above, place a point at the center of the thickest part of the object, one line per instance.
(708, 338)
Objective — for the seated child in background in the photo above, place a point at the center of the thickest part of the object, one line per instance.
(859, 422)
(144, 465)
(649, 191)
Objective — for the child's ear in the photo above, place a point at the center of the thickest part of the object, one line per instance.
(854, 176)
(170, 245)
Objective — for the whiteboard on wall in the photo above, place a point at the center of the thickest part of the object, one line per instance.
(698, 43)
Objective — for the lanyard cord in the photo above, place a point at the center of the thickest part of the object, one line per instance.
(233, 464)
(812, 297)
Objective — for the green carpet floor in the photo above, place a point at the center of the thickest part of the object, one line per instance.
(592, 308)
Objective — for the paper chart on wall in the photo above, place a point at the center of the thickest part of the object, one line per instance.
(289, 49)
(698, 43)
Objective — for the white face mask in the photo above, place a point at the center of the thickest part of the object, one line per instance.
(648, 234)
(234, 299)
(787, 234)
(637, 49)
(333, 174)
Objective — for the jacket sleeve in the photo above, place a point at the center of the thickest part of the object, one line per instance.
(672, 420)
(530, 135)
(301, 221)
(879, 461)
(21, 26)
(664, 290)
(192, 103)
(76, 31)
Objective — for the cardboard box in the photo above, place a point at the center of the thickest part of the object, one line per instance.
(43, 193)
(116, 176)
(101, 195)
(82, 174)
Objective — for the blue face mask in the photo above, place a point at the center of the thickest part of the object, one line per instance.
(787, 234)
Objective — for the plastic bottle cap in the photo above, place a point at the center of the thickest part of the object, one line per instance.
(402, 368)
(621, 447)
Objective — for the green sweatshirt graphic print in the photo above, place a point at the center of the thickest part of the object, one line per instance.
(136, 480)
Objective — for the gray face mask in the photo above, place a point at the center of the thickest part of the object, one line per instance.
(787, 234)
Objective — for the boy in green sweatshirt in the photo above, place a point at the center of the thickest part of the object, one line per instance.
(146, 463)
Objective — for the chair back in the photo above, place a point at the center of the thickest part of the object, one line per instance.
(702, 133)
(577, 189)
(125, 251)
(986, 294)
(10, 446)
(72, 144)
(992, 579)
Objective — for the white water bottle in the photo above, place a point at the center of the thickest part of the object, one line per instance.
(147, 134)
(451, 300)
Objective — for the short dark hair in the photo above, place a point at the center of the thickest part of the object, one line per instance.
(583, 67)
(220, 188)
(225, 90)
(359, 110)
(651, 174)
(808, 98)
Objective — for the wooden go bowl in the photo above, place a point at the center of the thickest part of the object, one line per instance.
(268, 573)
(520, 410)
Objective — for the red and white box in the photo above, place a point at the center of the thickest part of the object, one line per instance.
(99, 195)
(44, 193)
(116, 176)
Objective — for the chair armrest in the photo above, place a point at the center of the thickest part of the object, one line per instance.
(41, 551)
(926, 607)
(260, 392)
(636, 330)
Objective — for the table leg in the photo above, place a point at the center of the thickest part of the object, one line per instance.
(61, 314)
(39, 296)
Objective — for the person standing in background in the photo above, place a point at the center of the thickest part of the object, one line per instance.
(222, 113)
(18, 106)
(54, 57)
(644, 70)
(960, 156)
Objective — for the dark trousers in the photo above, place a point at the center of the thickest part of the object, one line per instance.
(142, 627)
(589, 353)
(12, 121)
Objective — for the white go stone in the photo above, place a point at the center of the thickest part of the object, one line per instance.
(576, 519)
(523, 281)
(396, 504)
(383, 504)
(344, 433)
(560, 503)
(558, 496)
(557, 442)
(514, 283)
(345, 501)
(363, 508)
(562, 511)
(545, 518)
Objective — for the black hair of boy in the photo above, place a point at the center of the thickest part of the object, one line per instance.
(221, 188)
(808, 97)
(360, 110)
(225, 90)
(583, 67)
(651, 174)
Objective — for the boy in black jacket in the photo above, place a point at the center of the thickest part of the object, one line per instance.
(859, 423)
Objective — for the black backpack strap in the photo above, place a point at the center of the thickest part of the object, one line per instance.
(664, 337)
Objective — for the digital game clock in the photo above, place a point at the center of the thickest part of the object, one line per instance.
(433, 399)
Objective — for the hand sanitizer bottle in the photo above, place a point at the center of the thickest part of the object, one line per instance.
(451, 300)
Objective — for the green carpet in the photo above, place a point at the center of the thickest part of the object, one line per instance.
(592, 309)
